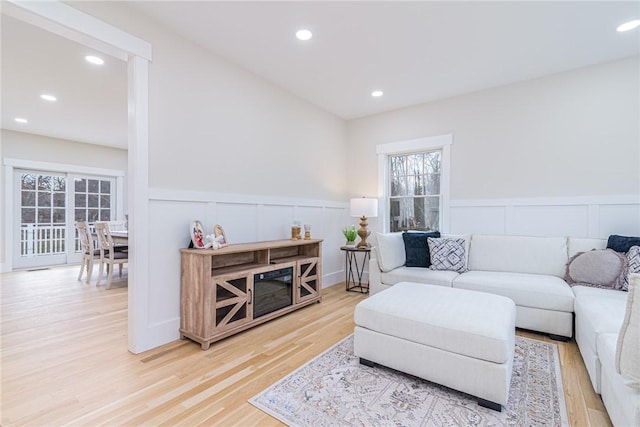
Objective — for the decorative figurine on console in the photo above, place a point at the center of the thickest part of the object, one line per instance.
(218, 239)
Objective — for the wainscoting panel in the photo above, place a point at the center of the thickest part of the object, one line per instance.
(334, 220)
(245, 219)
(275, 222)
(169, 226)
(594, 216)
(548, 221)
(478, 219)
(619, 219)
(240, 221)
(312, 215)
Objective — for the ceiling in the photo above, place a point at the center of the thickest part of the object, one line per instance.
(92, 100)
(413, 51)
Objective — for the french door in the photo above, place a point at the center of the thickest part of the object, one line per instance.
(47, 205)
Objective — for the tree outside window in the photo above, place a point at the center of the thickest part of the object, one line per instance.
(414, 191)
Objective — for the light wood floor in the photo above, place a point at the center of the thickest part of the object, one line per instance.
(64, 360)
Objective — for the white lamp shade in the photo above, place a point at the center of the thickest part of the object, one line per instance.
(364, 207)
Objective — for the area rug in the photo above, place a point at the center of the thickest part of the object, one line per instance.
(333, 389)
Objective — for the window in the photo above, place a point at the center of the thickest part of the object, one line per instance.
(414, 184)
(414, 191)
(92, 199)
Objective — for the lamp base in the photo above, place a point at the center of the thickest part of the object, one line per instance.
(363, 233)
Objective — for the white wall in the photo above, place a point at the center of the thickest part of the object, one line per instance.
(216, 127)
(26, 146)
(36, 148)
(540, 143)
(218, 136)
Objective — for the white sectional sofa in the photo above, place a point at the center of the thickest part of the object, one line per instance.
(531, 271)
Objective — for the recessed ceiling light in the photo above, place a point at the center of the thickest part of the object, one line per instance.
(21, 120)
(48, 97)
(377, 93)
(94, 59)
(629, 25)
(304, 35)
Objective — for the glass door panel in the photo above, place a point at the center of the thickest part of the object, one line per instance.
(41, 230)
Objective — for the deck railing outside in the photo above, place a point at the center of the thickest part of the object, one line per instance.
(40, 240)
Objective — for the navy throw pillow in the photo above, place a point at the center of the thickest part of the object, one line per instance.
(622, 243)
(417, 249)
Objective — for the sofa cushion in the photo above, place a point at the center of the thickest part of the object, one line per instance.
(628, 346)
(519, 254)
(416, 248)
(598, 311)
(527, 290)
(447, 254)
(600, 268)
(418, 275)
(390, 250)
(581, 244)
(622, 243)
(622, 402)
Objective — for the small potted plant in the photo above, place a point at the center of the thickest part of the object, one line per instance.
(350, 233)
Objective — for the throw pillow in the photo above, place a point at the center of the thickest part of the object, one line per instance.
(622, 243)
(390, 250)
(628, 345)
(599, 268)
(417, 249)
(633, 260)
(447, 254)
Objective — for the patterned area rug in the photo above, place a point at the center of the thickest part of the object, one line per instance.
(334, 389)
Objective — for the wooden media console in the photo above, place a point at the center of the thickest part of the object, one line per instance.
(228, 290)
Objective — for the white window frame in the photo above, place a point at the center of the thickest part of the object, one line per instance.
(441, 142)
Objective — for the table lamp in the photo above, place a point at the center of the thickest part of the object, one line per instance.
(364, 207)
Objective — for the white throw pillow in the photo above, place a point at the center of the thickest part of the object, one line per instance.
(390, 248)
(447, 254)
(628, 348)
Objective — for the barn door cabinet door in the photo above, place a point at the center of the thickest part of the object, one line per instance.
(232, 296)
(309, 273)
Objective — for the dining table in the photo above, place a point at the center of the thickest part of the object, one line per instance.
(120, 237)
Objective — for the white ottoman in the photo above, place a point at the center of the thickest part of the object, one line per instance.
(458, 338)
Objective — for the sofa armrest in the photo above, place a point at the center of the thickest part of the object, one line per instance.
(628, 348)
(375, 279)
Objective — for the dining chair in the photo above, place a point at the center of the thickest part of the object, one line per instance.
(89, 252)
(108, 255)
